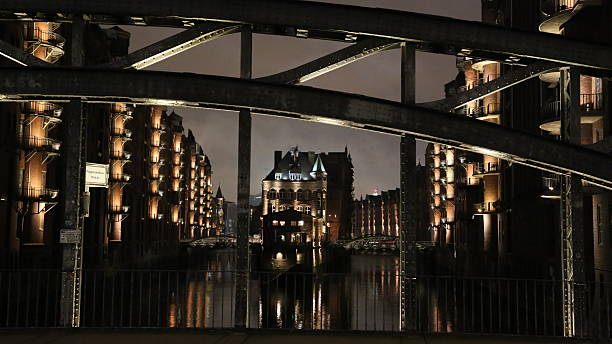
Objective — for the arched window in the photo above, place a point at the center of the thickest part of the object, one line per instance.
(272, 194)
(300, 195)
(282, 194)
(307, 195)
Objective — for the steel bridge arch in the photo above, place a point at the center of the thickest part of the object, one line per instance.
(430, 33)
(306, 103)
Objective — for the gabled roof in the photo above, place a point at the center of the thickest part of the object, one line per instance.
(305, 164)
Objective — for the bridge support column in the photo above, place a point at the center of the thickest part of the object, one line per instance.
(571, 210)
(244, 185)
(408, 309)
(75, 123)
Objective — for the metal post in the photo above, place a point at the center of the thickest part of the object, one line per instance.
(244, 185)
(74, 181)
(571, 208)
(408, 309)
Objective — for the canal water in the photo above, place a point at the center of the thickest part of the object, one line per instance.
(361, 293)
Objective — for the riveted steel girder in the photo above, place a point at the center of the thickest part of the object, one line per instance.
(331, 61)
(446, 35)
(337, 108)
(19, 56)
(172, 45)
(507, 80)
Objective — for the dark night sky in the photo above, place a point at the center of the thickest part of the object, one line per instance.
(375, 156)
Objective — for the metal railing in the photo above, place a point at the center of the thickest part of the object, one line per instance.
(487, 207)
(120, 178)
(42, 108)
(551, 110)
(552, 7)
(118, 209)
(358, 301)
(35, 34)
(484, 110)
(37, 193)
(590, 102)
(551, 185)
(120, 155)
(39, 143)
(121, 132)
(482, 168)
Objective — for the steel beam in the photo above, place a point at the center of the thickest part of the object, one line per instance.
(446, 35)
(172, 45)
(74, 187)
(604, 146)
(331, 61)
(571, 210)
(244, 188)
(408, 256)
(20, 57)
(311, 104)
(507, 80)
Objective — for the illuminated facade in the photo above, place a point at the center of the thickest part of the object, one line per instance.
(30, 191)
(489, 217)
(316, 185)
(299, 182)
(377, 214)
(159, 188)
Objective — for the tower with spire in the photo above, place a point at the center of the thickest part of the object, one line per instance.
(219, 213)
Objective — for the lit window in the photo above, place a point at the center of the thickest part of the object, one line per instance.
(282, 223)
(278, 176)
(295, 176)
(275, 223)
(301, 223)
(293, 223)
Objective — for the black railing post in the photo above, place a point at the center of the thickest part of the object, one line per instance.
(244, 175)
(408, 304)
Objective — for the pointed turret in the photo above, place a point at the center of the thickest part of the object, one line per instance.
(219, 193)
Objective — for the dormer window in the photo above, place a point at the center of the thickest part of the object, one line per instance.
(295, 176)
(278, 176)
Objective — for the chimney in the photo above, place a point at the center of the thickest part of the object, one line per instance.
(278, 155)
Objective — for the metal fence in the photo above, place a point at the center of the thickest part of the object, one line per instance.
(306, 301)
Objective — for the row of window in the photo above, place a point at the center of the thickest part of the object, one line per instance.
(292, 176)
(291, 223)
(292, 195)
(301, 208)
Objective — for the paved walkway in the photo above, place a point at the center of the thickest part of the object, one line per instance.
(167, 336)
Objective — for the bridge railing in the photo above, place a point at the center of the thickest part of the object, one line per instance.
(358, 301)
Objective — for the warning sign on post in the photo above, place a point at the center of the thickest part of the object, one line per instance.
(70, 236)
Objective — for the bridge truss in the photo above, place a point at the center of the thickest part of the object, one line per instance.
(371, 31)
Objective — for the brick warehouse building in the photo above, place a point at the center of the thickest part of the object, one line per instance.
(489, 217)
(159, 179)
(317, 184)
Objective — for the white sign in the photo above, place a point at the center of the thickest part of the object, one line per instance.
(96, 175)
(70, 236)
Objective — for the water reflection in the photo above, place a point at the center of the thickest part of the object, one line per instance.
(360, 295)
(363, 298)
